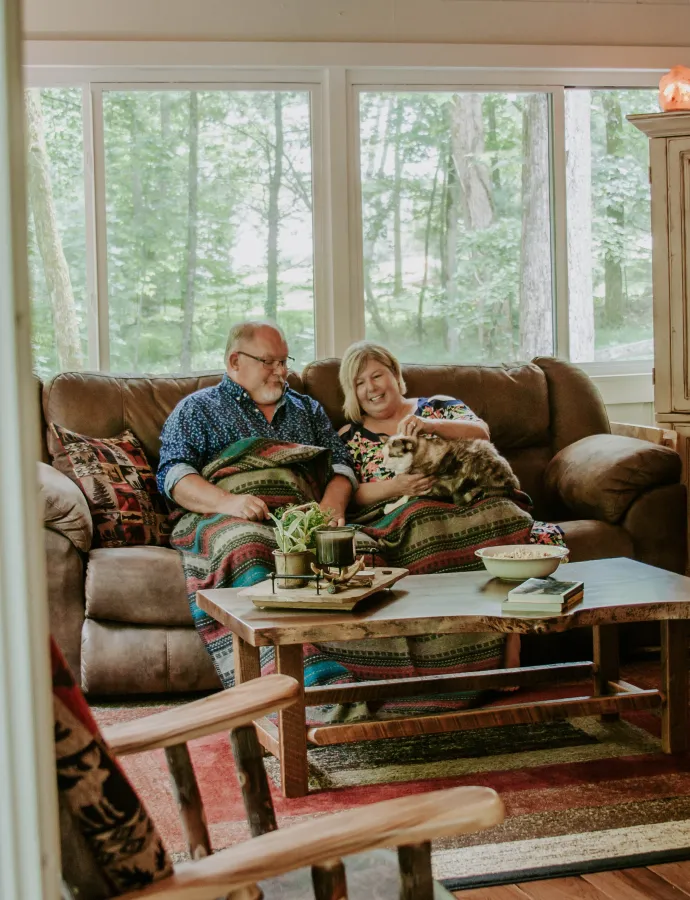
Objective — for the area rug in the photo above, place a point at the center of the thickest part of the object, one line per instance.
(579, 795)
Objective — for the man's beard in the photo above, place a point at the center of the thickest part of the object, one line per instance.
(269, 393)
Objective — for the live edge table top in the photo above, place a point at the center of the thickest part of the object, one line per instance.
(615, 591)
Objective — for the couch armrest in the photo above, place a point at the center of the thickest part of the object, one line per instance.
(65, 509)
(599, 477)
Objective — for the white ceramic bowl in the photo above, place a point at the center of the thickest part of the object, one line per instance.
(547, 561)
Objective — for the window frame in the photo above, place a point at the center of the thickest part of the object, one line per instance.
(335, 74)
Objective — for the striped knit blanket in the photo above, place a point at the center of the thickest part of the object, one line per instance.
(424, 536)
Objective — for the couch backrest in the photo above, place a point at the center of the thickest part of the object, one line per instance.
(533, 410)
(105, 405)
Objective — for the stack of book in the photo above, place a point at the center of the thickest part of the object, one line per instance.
(543, 596)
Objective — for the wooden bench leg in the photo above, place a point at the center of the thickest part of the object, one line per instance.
(674, 685)
(292, 726)
(606, 664)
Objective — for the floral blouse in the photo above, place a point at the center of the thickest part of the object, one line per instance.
(366, 448)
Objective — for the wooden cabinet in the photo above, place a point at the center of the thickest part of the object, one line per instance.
(669, 154)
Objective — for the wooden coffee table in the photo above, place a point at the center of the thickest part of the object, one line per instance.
(616, 591)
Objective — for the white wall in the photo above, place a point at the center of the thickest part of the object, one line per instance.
(659, 23)
(633, 413)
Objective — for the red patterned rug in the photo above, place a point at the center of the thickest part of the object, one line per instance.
(576, 792)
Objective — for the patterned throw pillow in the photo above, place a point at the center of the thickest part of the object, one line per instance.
(119, 486)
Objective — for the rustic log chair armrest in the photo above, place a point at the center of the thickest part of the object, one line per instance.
(223, 711)
(65, 509)
(403, 822)
(599, 477)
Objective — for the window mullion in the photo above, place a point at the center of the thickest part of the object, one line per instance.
(100, 230)
(559, 224)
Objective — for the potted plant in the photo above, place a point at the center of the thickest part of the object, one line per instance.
(295, 532)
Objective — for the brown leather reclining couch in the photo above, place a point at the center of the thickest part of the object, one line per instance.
(121, 614)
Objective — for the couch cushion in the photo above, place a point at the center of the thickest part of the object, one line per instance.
(104, 405)
(138, 659)
(142, 585)
(576, 409)
(118, 483)
(512, 400)
(588, 539)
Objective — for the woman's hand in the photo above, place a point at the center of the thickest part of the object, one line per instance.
(414, 425)
(411, 485)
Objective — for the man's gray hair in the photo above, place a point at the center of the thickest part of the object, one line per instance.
(245, 331)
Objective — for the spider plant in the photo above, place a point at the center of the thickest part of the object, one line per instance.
(296, 526)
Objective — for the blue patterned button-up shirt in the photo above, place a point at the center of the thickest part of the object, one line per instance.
(209, 420)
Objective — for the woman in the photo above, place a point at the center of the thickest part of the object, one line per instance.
(375, 405)
(424, 535)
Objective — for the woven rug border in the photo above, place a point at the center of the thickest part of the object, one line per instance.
(633, 861)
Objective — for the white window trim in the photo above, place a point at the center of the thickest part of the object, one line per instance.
(335, 74)
(29, 849)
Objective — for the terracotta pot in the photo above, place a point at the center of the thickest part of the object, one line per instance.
(293, 564)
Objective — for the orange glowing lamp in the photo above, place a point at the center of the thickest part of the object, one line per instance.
(674, 89)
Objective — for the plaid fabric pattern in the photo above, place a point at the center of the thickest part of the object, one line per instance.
(119, 485)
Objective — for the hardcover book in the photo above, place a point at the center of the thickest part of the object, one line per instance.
(545, 590)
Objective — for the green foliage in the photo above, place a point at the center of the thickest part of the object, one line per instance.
(189, 237)
(296, 526)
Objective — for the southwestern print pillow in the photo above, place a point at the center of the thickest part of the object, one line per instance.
(119, 486)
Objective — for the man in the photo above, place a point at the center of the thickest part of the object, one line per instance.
(252, 400)
(224, 538)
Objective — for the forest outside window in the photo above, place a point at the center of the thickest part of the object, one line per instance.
(57, 229)
(609, 231)
(456, 214)
(209, 220)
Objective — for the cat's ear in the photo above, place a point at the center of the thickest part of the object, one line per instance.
(409, 445)
(384, 438)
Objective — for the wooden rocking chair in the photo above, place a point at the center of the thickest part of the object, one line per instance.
(110, 847)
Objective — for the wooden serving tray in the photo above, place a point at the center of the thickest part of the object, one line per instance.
(306, 598)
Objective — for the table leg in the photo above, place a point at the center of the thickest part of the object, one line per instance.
(674, 684)
(292, 726)
(606, 664)
(247, 663)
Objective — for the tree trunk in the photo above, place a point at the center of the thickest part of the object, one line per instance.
(467, 132)
(271, 307)
(452, 215)
(192, 229)
(427, 241)
(492, 142)
(55, 267)
(467, 138)
(614, 303)
(536, 316)
(397, 183)
(579, 192)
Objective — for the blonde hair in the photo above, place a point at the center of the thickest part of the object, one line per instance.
(245, 331)
(355, 359)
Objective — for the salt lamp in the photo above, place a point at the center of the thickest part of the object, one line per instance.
(674, 89)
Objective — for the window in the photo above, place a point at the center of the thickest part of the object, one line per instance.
(456, 225)
(209, 220)
(609, 231)
(57, 230)
(458, 215)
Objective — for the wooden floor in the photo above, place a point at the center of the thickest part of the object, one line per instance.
(670, 881)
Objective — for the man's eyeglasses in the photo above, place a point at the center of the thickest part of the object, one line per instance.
(269, 363)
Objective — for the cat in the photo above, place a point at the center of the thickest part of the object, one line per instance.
(463, 468)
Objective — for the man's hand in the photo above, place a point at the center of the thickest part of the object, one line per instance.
(337, 516)
(244, 506)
